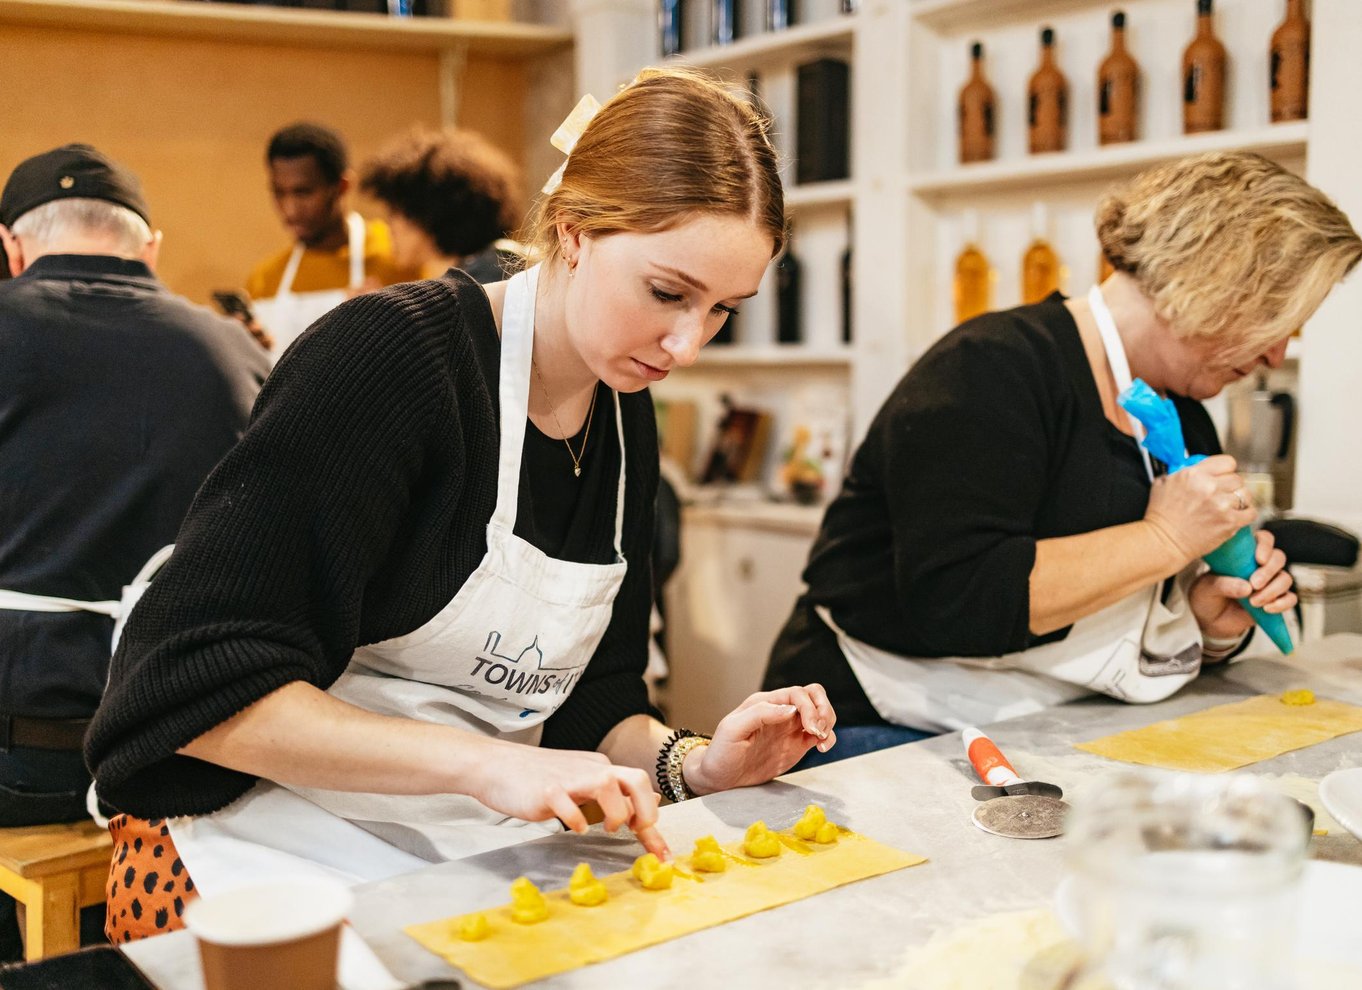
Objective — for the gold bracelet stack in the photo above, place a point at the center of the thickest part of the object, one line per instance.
(670, 760)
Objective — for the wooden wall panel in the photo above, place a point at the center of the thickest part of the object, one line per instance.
(192, 117)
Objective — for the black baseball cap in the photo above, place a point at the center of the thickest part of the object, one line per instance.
(69, 172)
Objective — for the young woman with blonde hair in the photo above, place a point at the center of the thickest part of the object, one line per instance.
(1001, 543)
(407, 617)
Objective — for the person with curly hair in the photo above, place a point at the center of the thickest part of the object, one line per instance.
(452, 198)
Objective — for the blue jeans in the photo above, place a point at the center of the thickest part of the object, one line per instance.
(854, 740)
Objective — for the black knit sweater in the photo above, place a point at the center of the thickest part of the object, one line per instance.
(351, 511)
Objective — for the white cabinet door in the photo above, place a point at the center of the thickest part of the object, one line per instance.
(726, 603)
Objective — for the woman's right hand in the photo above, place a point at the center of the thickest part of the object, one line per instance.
(537, 784)
(1199, 508)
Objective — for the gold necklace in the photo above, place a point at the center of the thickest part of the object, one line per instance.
(591, 412)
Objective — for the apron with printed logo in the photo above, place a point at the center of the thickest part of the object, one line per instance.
(289, 313)
(1142, 648)
(497, 660)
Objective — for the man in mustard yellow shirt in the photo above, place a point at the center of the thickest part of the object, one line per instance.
(335, 254)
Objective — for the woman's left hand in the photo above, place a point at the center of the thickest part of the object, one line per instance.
(1214, 598)
(762, 738)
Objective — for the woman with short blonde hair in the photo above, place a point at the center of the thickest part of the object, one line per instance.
(1001, 543)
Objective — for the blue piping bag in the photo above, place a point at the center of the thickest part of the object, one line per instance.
(1163, 439)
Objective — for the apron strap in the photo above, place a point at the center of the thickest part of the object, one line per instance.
(1120, 366)
(18, 601)
(290, 272)
(355, 223)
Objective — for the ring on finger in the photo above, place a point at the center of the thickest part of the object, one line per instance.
(1240, 502)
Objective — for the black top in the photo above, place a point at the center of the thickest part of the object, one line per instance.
(352, 510)
(995, 439)
(117, 397)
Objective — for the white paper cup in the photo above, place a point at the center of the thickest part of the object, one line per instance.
(275, 936)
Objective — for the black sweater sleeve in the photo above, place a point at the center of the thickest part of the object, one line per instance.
(612, 687)
(271, 564)
(966, 458)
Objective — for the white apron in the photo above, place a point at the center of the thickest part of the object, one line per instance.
(289, 313)
(497, 660)
(1139, 649)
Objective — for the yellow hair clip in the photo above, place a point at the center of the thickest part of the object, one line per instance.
(569, 131)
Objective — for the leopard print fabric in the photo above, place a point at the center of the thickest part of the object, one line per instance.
(148, 884)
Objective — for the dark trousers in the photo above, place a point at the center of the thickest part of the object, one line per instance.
(41, 787)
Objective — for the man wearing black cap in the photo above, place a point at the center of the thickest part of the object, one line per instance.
(116, 400)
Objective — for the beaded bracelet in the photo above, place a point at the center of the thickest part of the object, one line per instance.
(670, 759)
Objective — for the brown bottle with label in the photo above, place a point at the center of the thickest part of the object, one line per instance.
(1118, 89)
(1203, 76)
(976, 112)
(1290, 64)
(1048, 100)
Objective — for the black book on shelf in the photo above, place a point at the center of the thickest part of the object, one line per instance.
(822, 121)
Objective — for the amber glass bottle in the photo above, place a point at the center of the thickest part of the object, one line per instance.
(973, 282)
(1290, 64)
(976, 112)
(1118, 89)
(1040, 264)
(1048, 100)
(1203, 76)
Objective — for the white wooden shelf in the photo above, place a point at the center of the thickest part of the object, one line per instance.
(817, 194)
(956, 15)
(1112, 161)
(775, 355)
(287, 26)
(793, 44)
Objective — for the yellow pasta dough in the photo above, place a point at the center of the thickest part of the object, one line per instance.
(1227, 737)
(633, 918)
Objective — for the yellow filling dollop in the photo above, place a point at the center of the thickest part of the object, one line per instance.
(584, 889)
(708, 857)
(474, 927)
(528, 906)
(1304, 696)
(807, 827)
(652, 872)
(759, 843)
(826, 834)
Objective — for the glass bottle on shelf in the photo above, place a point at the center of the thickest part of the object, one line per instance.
(1118, 89)
(1040, 264)
(671, 14)
(1048, 100)
(972, 285)
(781, 14)
(977, 104)
(846, 293)
(788, 317)
(1290, 64)
(725, 21)
(1203, 76)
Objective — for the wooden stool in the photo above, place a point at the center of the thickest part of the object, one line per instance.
(54, 871)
